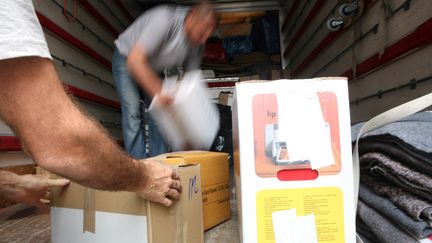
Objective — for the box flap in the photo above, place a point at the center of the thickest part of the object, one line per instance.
(279, 80)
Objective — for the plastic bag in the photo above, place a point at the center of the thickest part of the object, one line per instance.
(191, 121)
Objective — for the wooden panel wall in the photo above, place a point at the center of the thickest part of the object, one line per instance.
(380, 53)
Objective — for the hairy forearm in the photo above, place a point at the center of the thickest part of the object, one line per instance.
(86, 154)
(58, 136)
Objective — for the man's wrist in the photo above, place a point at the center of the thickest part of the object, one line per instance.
(139, 182)
(8, 181)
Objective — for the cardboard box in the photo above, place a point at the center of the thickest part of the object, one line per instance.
(80, 214)
(293, 164)
(248, 78)
(231, 30)
(225, 98)
(276, 74)
(215, 183)
(286, 73)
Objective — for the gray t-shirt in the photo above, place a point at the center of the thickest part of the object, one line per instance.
(160, 32)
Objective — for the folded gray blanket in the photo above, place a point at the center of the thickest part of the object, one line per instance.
(365, 239)
(398, 150)
(384, 230)
(383, 167)
(415, 130)
(418, 208)
(418, 229)
(364, 232)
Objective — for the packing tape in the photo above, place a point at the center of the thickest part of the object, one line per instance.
(381, 120)
(185, 230)
(89, 211)
(180, 236)
(184, 234)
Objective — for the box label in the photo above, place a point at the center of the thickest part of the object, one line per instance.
(325, 203)
(217, 193)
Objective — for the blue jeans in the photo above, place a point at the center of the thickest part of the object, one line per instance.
(133, 103)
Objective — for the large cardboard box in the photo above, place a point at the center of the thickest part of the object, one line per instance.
(80, 214)
(293, 164)
(215, 182)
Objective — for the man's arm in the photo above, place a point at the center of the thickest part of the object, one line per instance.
(61, 139)
(152, 36)
(138, 65)
(30, 189)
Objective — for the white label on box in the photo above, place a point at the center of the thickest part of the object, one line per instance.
(282, 225)
(67, 227)
(302, 127)
(290, 228)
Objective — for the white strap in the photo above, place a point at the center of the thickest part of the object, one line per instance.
(380, 120)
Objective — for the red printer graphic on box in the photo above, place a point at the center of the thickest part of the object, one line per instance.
(271, 153)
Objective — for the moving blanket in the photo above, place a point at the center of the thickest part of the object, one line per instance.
(415, 130)
(418, 229)
(365, 239)
(365, 233)
(416, 207)
(383, 167)
(398, 150)
(381, 227)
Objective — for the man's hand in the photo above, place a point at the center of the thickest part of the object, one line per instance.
(161, 183)
(164, 100)
(30, 189)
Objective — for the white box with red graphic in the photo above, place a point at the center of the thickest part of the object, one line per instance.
(293, 162)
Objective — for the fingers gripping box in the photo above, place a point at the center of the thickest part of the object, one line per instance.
(214, 179)
(293, 163)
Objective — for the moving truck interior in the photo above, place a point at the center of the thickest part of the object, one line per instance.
(380, 50)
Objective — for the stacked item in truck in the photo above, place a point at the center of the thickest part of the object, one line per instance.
(395, 196)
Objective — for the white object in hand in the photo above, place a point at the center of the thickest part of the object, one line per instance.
(191, 119)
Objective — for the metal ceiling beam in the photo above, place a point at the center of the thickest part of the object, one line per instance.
(247, 6)
(230, 5)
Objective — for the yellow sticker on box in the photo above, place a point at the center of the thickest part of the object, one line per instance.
(325, 203)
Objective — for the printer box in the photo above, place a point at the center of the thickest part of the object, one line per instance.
(81, 214)
(293, 163)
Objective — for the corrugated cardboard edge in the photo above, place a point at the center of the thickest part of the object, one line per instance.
(187, 154)
(277, 80)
